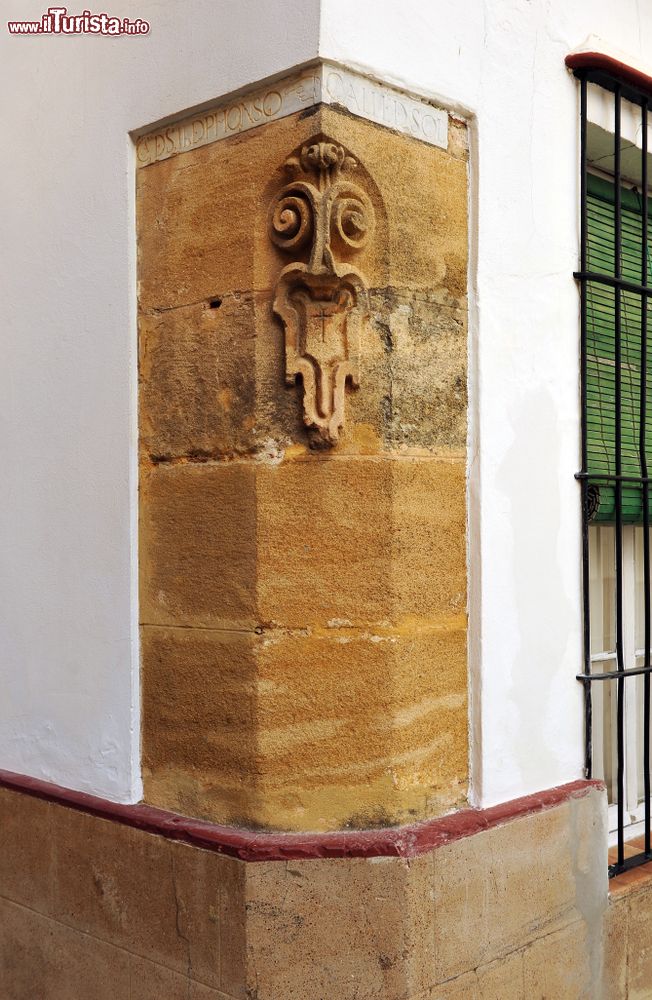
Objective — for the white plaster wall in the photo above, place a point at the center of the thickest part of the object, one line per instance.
(68, 654)
(502, 61)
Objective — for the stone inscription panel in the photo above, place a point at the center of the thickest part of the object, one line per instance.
(326, 84)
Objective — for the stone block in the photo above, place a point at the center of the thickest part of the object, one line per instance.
(117, 884)
(413, 395)
(347, 928)
(192, 256)
(41, 958)
(296, 731)
(428, 540)
(212, 380)
(202, 217)
(26, 851)
(154, 982)
(423, 194)
(197, 379)
(502, 979)
(199, 729)
(615, 946)
(175, 906)
(303, 543)
(639, 945)
(323, 549)
(357, 731)
(192, 249)
(198, 545)
(559, 965)
(136, 915)
(361, 542)
(463, 987)
(494, 893)
(210, 909)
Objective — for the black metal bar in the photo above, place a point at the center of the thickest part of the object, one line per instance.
(612, 674)
(612, 477)
(620, 683)
(644, 475)
(602, 78)
(612, 281)
(628, 863)
(588, 698)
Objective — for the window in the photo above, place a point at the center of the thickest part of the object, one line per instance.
(615, 280)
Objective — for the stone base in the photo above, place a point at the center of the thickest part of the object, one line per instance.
(94, 908)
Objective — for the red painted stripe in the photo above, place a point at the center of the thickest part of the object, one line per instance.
(607, 64)
(247, 845)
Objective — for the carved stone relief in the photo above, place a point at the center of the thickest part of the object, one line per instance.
(322, 301)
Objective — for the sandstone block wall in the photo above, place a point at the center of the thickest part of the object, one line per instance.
(303, 590)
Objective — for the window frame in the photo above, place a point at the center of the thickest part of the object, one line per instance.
(625, 85)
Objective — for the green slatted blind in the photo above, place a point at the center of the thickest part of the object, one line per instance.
(600, 325)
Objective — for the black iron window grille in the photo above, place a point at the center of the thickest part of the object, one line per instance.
(615, 280)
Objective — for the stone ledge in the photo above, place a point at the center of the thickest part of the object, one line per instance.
(248, 845)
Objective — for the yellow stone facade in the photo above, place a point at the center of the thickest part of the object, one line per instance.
(303, 585)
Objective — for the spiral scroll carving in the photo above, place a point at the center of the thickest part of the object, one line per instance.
(291, 220)
(322, 301)
(351, 220)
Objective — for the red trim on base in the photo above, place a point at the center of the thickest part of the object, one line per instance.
(614, 67)
(247, 845)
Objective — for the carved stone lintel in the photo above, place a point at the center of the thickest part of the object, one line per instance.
(322, 302)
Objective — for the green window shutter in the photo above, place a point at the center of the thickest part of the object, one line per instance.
(600, 324)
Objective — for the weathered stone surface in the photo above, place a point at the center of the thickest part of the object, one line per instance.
(351, 560)
(42, 958)
(615, 965)
(304, 543)
(197, 379)
(323, 542)
(428, 540)
(314, 731)
(322, 929)
(463, 987)
(149, 981)
(211, 380)
(198, 545)
(558, 965)
(142, 917)
(495, 893)
(413, 357)
(423, 194)
(178, 907)
(639, 946)
(116, 884)
(502, 979)
(199, 217)
(45, 959)
(210, 917)
(200, 722)
(415, 371)
(26, 854)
